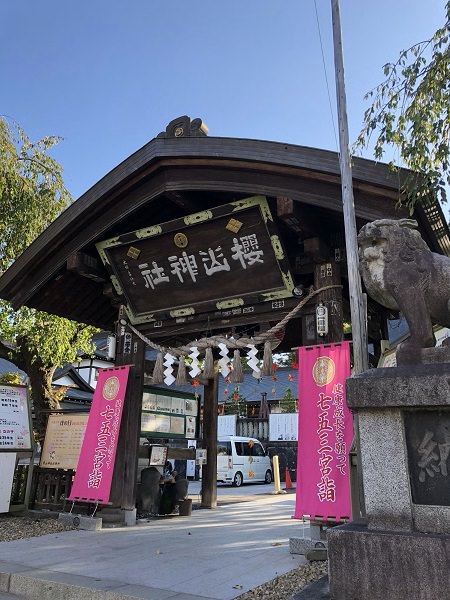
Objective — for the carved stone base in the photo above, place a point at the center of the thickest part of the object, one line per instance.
(383, 565)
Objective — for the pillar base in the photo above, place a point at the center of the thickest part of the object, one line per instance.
(377, 565)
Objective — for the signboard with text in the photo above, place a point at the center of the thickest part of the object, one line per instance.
(15, 421)
(325, 433)
(169, 414)
(222, 258)
(63, 439)
(92, 482)
(283, 427)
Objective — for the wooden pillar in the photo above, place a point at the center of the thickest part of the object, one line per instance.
(209, 471)
(129, 350)
(329, 273)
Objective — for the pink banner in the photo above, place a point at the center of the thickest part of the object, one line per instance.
(92, 482)
(325, 433)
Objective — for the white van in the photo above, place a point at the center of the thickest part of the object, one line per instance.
(242, 460)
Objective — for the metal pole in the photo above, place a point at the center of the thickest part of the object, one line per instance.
(357, 306)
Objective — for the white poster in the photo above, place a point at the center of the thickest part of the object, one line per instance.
(226, 425)
(283, 427)
(200, 456)
(178, 405)
(14, 418)
(191, 407)
(190, 427)
(163, 403)
(148, 401)
(7, 467)
(190, 464)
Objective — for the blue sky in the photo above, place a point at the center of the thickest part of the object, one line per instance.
(108, 76)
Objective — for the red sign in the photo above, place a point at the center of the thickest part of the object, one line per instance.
(92, 482)
(325, 432)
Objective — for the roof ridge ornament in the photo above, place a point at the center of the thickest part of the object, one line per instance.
(184, 126)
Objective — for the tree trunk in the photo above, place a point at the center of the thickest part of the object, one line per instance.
(42, 394)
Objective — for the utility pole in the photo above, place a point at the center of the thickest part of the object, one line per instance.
(357, 305)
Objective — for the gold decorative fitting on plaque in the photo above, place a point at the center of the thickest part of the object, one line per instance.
(133, 252)
(234, 225)
(180, 240)
(178, 132)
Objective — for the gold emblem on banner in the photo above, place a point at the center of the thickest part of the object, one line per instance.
(323, 370)
(110, 388)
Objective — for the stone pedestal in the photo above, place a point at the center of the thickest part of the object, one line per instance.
(403, 551)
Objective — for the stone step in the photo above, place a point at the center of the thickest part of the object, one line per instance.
(69, 587)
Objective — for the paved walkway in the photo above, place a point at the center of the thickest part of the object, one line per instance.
(212, 554)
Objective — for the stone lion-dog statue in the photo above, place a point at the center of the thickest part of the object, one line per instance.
(401, 273)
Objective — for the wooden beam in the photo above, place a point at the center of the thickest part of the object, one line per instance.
(180, 200)
(316, 249)
(209, 471)
(301, 223)
(86, 266)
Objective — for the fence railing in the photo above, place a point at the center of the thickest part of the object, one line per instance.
(19, 486)
(50, 488)
(255, 428)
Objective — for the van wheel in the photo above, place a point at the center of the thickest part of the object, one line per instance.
(268, 477)
(238, 479)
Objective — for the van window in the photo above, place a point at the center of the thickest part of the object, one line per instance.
(223, 448)
(258, 450)
(243, 449)
(249, 449)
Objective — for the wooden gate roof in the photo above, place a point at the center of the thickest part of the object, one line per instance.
(170, 177)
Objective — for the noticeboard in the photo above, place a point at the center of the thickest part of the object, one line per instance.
(217, 259)
(15, 418)
(283, 427)
(63, 440)
(169, 414)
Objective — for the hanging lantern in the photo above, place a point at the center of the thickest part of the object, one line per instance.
(322, 319)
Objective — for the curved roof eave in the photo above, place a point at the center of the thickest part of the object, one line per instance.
(78, 220)
(256, 151)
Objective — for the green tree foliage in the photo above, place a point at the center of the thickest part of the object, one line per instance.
(410, 113)
(288, 402)
(235, 404)
(32, 195)
(11, 378)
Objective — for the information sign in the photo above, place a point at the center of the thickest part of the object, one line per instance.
(63, 440)
(15, 422)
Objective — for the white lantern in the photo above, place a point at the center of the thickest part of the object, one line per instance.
(322, 319)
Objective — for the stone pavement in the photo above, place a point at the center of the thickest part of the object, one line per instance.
(210, 555)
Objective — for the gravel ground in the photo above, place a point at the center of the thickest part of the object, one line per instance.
(16, 528)
(280, 588)
(285, 586)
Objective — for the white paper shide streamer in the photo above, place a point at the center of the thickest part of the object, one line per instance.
(193, 355)
(168, 371)
(224, 362)
(253, 362)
